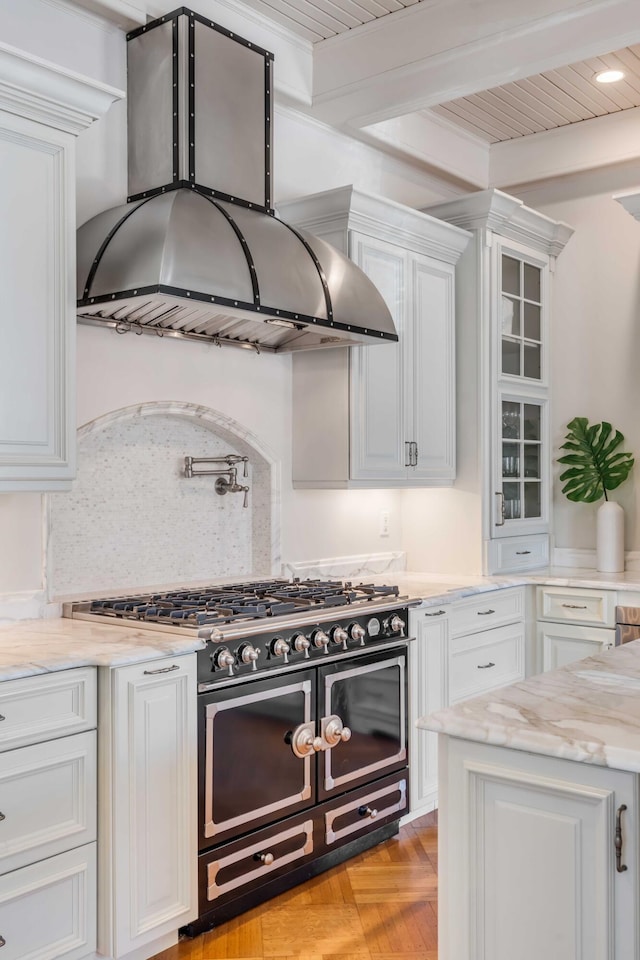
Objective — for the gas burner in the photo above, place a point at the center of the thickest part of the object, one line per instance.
(231, 602)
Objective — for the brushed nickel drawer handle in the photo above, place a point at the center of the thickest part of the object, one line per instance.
(620, 866)
(522, 553)
(575, 606)
(485, 613)
(436, 613)
(2, 817)
(2, 941)
(485, 666)
(2, 718)
(162, 670)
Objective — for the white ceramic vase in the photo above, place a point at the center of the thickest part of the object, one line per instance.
(610, 537)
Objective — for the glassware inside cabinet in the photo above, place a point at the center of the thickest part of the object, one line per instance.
(521, 319)
(521, 460)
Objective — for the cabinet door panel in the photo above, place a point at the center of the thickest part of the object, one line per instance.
(431, 353)
(37, 209)
(427, 692)
(378, 374)
(154, 784)
(561, 643)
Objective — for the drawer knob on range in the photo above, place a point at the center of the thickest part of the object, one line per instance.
(320, 639)
(223, 658)
(249, 654)
(338, 635)
(280, 648)
(395, 624)
(370, 812)
(357, 632)
(300, 644)
(266, 858)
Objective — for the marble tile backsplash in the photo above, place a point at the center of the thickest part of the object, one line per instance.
(133, 520)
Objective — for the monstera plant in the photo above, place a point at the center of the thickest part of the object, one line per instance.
(595, 463)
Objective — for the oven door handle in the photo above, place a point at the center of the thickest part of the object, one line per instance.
(303, 741)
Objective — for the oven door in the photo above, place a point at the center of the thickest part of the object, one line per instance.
(249, 774)
(368, 696)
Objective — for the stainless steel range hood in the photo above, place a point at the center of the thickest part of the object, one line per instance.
(197, 251)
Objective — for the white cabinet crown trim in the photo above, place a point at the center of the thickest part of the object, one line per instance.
(350, 209)
(42, 91)
(508, 216)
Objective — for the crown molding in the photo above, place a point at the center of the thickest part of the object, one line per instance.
(494, 210)
(47, 93)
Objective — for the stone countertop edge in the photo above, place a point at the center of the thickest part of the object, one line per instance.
(588, 711)
(31, 647)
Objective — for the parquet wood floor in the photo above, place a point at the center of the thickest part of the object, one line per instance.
(380, 905)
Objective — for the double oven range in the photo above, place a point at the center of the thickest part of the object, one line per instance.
(302, 727)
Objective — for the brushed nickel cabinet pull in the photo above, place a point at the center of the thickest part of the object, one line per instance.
(436, 613)
(485, 613)
(575, 606)
(485, 666)
(408, 447)
(2, 817)
(620, 867)
(2, 718)
(2, 941)
(500, 522)
(522, 553)
(162, 670)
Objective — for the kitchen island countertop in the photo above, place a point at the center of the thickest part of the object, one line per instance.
(587, 711)
(30, 647)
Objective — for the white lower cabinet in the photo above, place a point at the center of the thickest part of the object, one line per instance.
(48, 909)
(528, 857)
(573, 623)
(48, 816)
(454, 657)
(148, 792)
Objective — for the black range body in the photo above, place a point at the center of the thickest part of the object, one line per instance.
(302, 727)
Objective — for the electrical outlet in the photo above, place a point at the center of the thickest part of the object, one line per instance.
(384, 523)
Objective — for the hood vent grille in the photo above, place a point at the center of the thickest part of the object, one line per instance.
(184, 258)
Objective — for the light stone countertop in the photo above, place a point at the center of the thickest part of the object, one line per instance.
(587, 711)
(30, 647)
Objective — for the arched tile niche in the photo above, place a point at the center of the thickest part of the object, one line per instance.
(132, 520)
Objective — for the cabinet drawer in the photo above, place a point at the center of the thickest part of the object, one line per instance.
(48, 910)
(485, 661)
(491, 609)
(577, 605)
(47, 799)
(237, 864)
(509, 554)
(50, 705)
(355, 816)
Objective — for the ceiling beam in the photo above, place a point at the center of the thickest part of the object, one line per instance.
(436, 51)
(575, 148)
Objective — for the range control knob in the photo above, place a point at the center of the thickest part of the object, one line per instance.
(301, 644)
(357, 632)
(320, 639)
(223, 658)
(339, 635)
(280, 648)
(395, 624)
(249, 654)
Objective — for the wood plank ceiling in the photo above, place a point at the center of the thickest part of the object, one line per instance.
(317, 20)
(551, 99)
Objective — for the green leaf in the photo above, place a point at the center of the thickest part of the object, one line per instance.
(594, 464)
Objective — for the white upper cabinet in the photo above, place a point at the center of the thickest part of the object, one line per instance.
(503, 286)
(42, 109)
(384, 415)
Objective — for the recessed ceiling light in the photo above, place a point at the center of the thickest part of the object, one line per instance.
(609, 76)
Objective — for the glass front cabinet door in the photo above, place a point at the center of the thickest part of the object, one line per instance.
(520, 448)
(521, 466)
